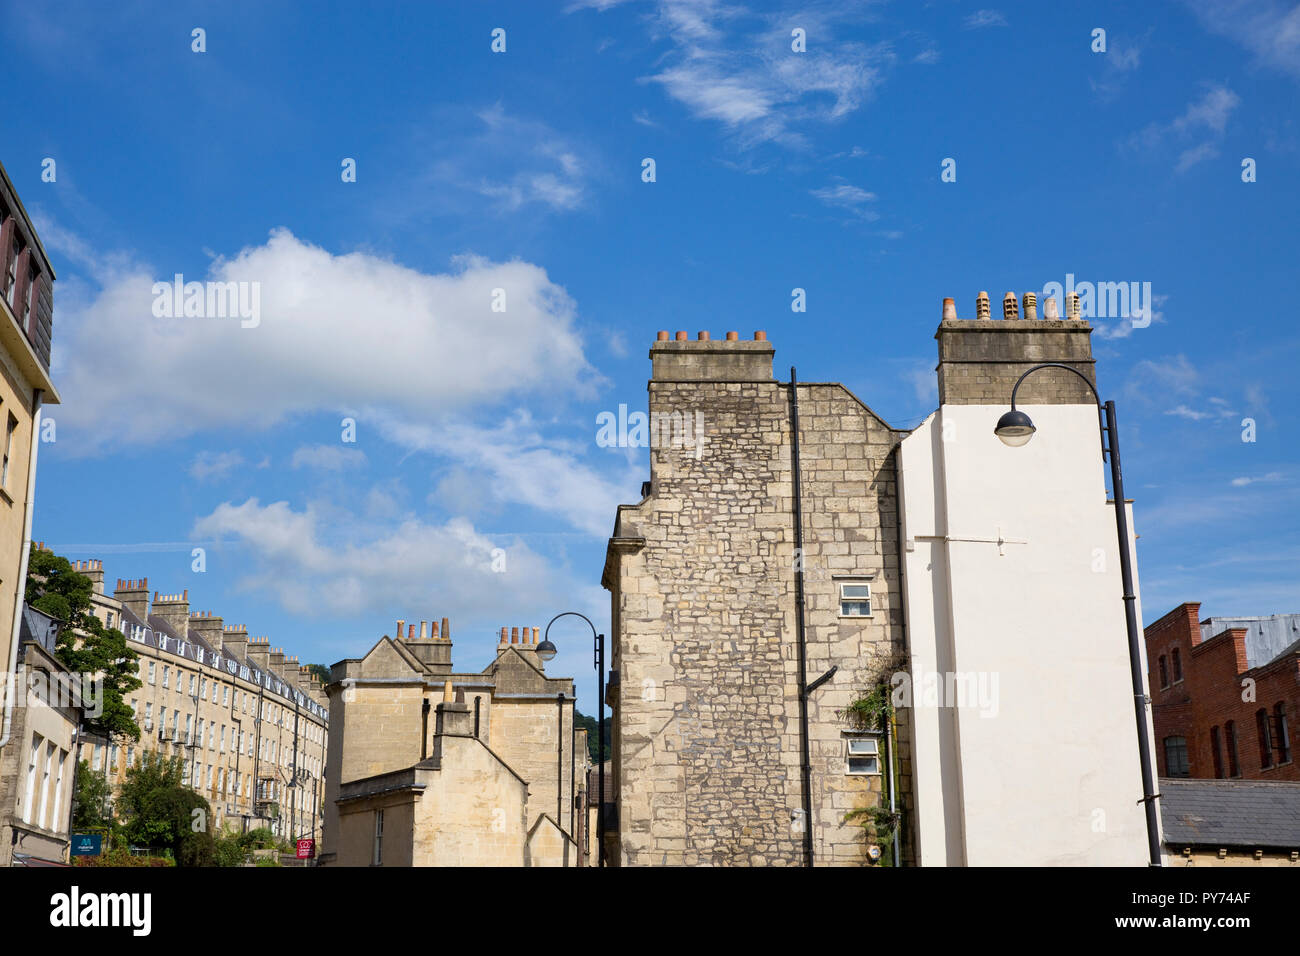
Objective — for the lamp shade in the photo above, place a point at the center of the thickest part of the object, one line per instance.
(546, 650)
(1014, 428)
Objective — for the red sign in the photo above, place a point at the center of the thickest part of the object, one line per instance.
(306, 849)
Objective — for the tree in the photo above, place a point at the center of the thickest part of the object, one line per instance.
(321, 671)
(593, 738)
(91, 799)
(85, 645)
(158, 810)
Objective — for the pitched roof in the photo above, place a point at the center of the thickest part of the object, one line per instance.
(1228, 813)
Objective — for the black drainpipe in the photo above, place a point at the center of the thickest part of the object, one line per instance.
(424, 730)
(805, 768)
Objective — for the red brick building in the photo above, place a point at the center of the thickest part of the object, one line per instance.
(1225, 694)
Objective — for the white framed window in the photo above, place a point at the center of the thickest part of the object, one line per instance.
(58, 790)
(862, 754)
(32, 763)
(9, 447)
(167, 675)
(153, 671)
(45, 783)
(855, 596)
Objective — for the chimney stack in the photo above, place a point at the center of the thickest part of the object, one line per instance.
(710, 360)
(980, 361)
(134, 596)
(175, 610)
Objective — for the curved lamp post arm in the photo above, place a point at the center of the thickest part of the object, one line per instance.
(1101, 416)
(1069, 368)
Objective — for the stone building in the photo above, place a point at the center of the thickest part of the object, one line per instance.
(250, 723)
(916, 546)
(1225, 694)
(26, 326)
(429, 766)
(36, 781)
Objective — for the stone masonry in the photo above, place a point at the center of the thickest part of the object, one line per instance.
(701, 573)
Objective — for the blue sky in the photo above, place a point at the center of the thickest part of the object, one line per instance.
(522, 170)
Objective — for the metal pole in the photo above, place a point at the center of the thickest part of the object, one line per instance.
(600, 696)
(559, 761)
(805, 766)
(1134, 647)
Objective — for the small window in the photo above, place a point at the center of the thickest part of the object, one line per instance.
(855, 599)
(1283, 733)
(167, 675)
(1164, 672)
(9, 447)
(153, 672)
(862, 755)
(1234, 766)
(1265, 739)
(1216, 745)
(378, 859)
(1177, 659)
(1176, 757)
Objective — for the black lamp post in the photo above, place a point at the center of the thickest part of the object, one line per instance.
(546, 651)
(1015, 429)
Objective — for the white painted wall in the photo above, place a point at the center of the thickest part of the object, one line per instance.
(1044, 771)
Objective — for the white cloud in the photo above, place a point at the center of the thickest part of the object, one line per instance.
(518, 465)
(845, 196)
(1267, 28)
(1270, 477)
(328, 457)
(337, 332)
(1204, 119)
(209, 464)
(985, 18)
(313, 563)
(735, 67)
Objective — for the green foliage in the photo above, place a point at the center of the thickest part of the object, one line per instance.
(881, 825)
(321, 671)
(268, 861)
(85, 645)
(870, 711)
(159, 811)
(593, 741)
(122, 857)
(92, 797)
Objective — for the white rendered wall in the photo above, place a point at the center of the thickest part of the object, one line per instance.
(1041, 767)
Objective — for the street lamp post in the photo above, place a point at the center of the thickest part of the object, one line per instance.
(1015, 429)
(546, 651)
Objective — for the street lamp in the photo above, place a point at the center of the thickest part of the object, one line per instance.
(546, 650)
(1015, 429)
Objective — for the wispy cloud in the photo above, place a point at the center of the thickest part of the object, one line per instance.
(1204, 119)
(210, 465)
(854, 199)
(327, 457)
(1267, 28)
(1270, 477)
(984, 18)
(734, 66)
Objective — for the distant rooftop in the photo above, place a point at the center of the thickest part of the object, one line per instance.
(1230, 813)
(1266, 637)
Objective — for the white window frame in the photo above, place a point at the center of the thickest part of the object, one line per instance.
(864, 580)
(871, 738)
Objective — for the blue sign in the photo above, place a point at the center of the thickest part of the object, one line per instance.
(87, 844)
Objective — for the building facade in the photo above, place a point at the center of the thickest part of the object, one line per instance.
(1225, 692)
(429, 766)
(250, 723)
(26, 327)
(756, 614)
(36, 781)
